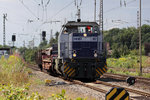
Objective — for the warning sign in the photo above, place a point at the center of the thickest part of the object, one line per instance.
(117, 94)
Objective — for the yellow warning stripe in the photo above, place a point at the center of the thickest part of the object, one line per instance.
(105, 66)
(127, 98)
(98, 72)
(66, 69)
(111, 94)
(65, 66)
(104, 69)
(71, 72)
(120, 95)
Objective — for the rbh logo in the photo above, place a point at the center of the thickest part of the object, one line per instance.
(117, 94)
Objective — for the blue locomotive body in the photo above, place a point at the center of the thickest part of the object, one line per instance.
(80, 51)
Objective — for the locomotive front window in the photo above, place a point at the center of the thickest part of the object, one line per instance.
(81, 29)
(88, 29)
(70, 30)
(85, 29)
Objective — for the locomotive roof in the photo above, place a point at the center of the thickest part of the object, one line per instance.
(73, 23)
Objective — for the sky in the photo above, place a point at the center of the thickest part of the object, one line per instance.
(28, 18)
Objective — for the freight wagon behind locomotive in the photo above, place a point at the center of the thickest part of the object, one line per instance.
(79, 52)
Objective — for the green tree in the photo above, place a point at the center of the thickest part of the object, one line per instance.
(54, 40)
(115, 53)
(126, 39)
(135, 41)
(145, 29)
(43, 44)
(30, 55)
(146, 38)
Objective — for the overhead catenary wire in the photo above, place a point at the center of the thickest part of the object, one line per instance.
(47, 3)
(125, 3)
(21, 1)
(80, 2)
(35, 1)
(43, 8)
(11, 22)
(42, 2)
(66, 6)
(62, 9)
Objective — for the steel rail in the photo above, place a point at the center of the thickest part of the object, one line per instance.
(128, 89)
(119, 76)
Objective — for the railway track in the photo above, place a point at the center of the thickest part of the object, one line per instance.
(146, 94)
(142, 94)
(102, 90)
(124, 77)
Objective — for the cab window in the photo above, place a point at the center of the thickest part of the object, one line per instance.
(81, 29)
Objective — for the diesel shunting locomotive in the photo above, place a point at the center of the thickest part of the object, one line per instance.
(80, 52)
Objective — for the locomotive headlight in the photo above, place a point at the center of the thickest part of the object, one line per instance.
(95, 53)
(85, 35)
(74, 55)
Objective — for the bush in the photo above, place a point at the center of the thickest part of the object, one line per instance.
(115, 53)
(16, 93)
(12, 71)
(59, 96)
(29, 55)
(134, 52)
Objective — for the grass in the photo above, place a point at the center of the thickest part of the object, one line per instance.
(2, 98)
(12, 71)
(129, 61)
(146, 75)
(128, 65)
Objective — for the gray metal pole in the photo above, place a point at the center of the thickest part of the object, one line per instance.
(95, 11)
(4, 38)
(101, 16)
(140, 45)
